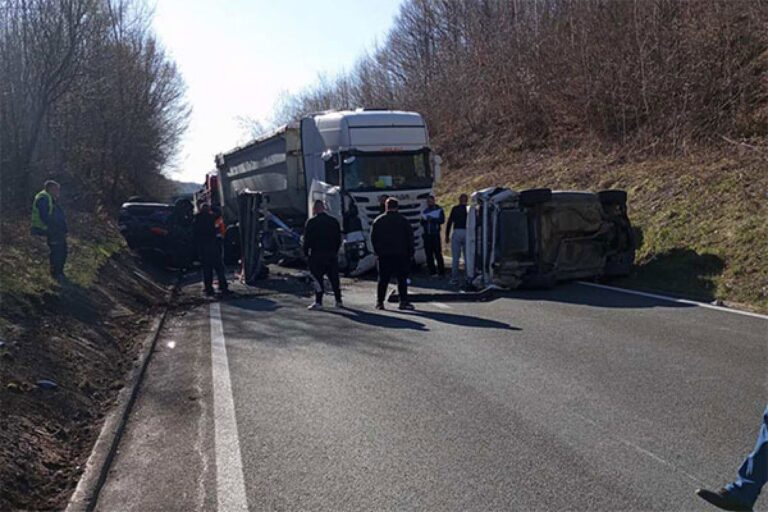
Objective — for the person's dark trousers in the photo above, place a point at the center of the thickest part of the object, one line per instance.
(58, 256)
(389, 266)
(434, 252)
(325, 264)
(211, 259)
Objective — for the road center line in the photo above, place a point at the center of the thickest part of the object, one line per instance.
(230, 489)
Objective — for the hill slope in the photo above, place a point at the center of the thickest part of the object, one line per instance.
(703, 217)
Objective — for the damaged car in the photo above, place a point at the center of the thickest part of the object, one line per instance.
(537, 237)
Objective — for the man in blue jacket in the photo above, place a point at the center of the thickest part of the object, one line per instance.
(48, 220)
(432, 218)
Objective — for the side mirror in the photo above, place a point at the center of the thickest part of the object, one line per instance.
(326, 155)
(436, 161)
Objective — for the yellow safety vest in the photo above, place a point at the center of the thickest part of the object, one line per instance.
(37, 219)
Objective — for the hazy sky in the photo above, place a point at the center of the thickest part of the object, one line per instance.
(237, 56)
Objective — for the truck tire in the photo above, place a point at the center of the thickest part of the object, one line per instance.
(612, 196)
(534, 196)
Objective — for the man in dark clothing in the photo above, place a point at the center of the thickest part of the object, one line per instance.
(322, 240)
(458, 221)
(209, 249)
(383, 203)
(48, 220)
(431, 219)
(392, 240)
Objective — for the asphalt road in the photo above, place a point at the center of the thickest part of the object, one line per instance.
(571, 399)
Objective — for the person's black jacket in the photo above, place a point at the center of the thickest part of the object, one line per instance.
(392, 235)
(457, 219)
(322, 234)
(204, 228)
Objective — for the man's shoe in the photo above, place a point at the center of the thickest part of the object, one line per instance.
(722, 499)
(406, 306)
(339, 304)
(315, 305)
(380, 306)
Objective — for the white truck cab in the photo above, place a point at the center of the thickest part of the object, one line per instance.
(349, 159)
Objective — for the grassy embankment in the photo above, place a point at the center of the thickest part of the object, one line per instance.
(82, 334)
(703, 217)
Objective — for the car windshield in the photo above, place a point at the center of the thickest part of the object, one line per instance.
(377, 171)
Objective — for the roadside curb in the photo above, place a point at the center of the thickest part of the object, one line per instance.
(86, 494)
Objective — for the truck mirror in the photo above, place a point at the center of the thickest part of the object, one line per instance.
(327, 155)
(436, 161)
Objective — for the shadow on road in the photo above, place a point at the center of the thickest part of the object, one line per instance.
(465, 320)
(376, 320)
(575, 293)
(251, 303)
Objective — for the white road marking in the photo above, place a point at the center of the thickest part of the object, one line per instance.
(441, 305)
(673, 299)
(230, 488)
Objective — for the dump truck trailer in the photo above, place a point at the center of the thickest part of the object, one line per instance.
(348, 159)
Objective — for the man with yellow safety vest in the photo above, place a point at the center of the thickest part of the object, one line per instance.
(48, 220)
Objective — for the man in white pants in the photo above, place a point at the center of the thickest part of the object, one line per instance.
(458, 221)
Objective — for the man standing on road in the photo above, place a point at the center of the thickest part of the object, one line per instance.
(322, 240)
(48, 220)
(392, 240)
(742, 493)
(458, 221)
(431, 219)
(209, 249)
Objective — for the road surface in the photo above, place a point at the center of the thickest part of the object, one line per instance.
(571, 399)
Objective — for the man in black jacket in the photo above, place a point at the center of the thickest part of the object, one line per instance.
(209, 249)
(322, 239)
(392, 240)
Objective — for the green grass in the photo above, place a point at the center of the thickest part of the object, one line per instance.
(24, 259)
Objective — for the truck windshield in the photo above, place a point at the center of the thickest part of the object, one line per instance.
(376, 171)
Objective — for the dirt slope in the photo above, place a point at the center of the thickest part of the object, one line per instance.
(83, 335)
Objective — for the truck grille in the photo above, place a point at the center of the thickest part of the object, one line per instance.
(411, 211)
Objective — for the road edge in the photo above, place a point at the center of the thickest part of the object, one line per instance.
(86, 494)
(669, 298)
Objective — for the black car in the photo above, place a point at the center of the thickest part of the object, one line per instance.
(159, 231)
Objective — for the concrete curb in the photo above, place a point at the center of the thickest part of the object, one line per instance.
(86, 493)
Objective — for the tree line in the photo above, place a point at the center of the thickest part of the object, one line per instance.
(651, 74)
(87, 97)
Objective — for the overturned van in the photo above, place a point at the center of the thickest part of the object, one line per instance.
(535, 238)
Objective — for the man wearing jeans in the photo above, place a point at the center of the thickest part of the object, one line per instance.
(458, 221)
(742, 493)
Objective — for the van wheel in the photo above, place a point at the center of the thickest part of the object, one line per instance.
(612, 196)
(534, 196)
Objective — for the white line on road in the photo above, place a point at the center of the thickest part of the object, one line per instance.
(673, 299)
(441, 305)
(230, 489)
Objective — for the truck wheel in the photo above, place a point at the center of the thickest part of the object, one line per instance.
(612, 196)
(534, 196)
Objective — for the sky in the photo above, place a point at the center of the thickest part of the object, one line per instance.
(238, 56)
